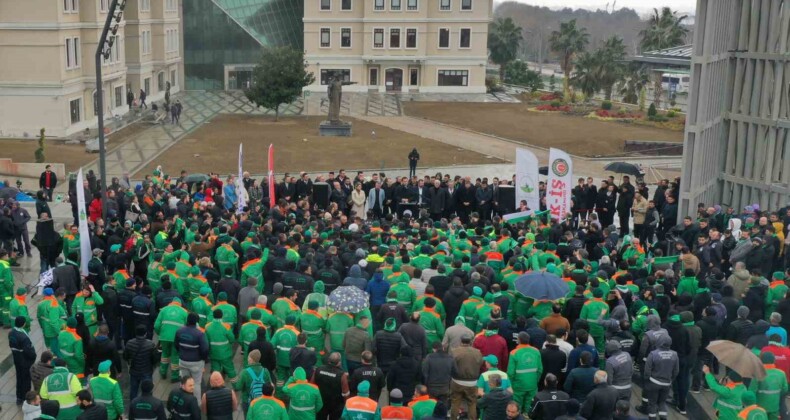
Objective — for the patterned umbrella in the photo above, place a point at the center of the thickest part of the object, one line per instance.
(348, 299)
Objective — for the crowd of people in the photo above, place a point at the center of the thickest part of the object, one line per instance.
(182, 281)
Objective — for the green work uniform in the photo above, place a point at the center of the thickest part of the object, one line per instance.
(591, 311)
(728, 397)
(107, 391)
(247, 334)
(87, 306)
(6, 292)
(268, 408)
(71, 350)
(253, 268)
(304, 399)
(201, 306)
(314, 325)
(405, 294)
(524, 368)
(770, 390)
(220, 342)
(170, 319)
(283, 307)
(18, 308)
(62, 386)
(284, 340)
(431, 321)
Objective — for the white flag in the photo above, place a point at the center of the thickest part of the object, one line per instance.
(527, 179)
(241, 193)
(85, 237)
(558, 190)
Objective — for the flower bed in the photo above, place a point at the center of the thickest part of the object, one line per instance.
(549, 97)
(618, 115)
(552, 108)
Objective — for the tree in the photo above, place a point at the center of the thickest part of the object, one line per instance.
(278, 78)
(587, 76)
(612, 64)
(504, 38)
(39, 153)
(633, 83)
(665, 29)
(568, 42)
(517, 73)
(552, 82)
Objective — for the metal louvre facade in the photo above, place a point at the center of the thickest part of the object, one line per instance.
(737, 145)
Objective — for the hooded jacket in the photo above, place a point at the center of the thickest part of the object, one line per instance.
(619, 367)
(453, 300)
(355, 278)
(378, 288)
(652, 336)
(695, 332)
(680, 338)
(662, 364)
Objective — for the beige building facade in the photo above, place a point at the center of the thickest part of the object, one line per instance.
(48, 78)
(398, 45)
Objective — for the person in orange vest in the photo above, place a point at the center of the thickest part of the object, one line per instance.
(396, 410)
(361, 407)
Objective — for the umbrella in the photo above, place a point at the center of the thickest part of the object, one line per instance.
(541, 286)
(543, 170)
(624, 168)
(8, 192)
(193, 178)
(738, 358)
(348, 299)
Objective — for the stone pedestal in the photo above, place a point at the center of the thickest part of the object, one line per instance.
(335, 129)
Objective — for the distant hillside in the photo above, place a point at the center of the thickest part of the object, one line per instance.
(539, 22)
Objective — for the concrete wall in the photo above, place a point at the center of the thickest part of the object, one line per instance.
(9, 168)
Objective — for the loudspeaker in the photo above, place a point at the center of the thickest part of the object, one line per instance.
(507, 199)
(321, 195)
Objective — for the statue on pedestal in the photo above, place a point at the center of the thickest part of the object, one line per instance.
(335, 95)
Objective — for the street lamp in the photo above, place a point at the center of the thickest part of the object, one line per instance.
(103, 50)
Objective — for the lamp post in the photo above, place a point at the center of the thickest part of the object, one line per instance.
(103, 50)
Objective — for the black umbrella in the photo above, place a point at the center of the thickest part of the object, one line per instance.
(624, 168)
(8, 192)
(543, 170)
(193, 178)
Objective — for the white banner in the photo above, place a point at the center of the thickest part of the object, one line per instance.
(527, 179)
(85, 236)
(558, 189)
(241, 193)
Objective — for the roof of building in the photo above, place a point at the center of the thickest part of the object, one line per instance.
(675, 56)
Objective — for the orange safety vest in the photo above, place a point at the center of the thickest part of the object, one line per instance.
(396, 412)
(362, 404)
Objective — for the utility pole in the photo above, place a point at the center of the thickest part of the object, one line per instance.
(103, 50)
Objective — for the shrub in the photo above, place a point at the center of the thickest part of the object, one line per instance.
(606, 105)
(549, 97)
(556, 104)
(652, 111)
(671, 114)
(492, 85)
(39, 153)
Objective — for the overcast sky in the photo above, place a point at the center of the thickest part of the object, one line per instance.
(641, 6)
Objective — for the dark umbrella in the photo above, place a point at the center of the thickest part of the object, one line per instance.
(543, 170)
(8, 192)
(624, 168)
(541, 286)
(349, 299)
(193, 178)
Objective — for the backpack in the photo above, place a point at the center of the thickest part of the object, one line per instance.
(256, 387)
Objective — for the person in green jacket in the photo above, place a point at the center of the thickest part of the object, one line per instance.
(195, 282)
(728, 396)
(6, 288)
(776, 292)
(524, 369)
(249, 332)
(687, 284)
(70, 347)
(406, 295)
(170, 319)
(771, 390)
(267, 407)
(227, 258)
(751, 410)
(252, 372)
(254, 268)
(336, 327)
(229, 312)
(50, 315)
(469, 308)
(431, 321)
(107, 391)
(202, 305)
(18, 307)
(422, 405)
(319, 297)
(86, 302)
(285, 306)
(154, 275)
(62, 386)
(592, 311)
(220, 343)
(313, 325)
(361, 407)
(430, 293)
(305, 398)
(267, 317)
(283, 341)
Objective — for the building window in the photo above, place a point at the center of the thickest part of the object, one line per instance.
(326, 38)
(345, 5)
(445, 5)
(453, 78)
(145, 5)
(71, 6)
(414, 77)
(145, 40)
(104, 5)
(466, 4)
(115, 51)
(411, 5)
(160, 81)
(444, 38)
(394, 38)
(147, 85)
(411, 38)
(172, 5)
(378, 4)
(72, 53)
(394, 4)
(118, 96)
(173, 78)
(171, 40)
(466, 38)
(327, 74)
(378, 38)
(374, 77)
(95, 103)
(345, 37)
(326, 4)
(75, 109)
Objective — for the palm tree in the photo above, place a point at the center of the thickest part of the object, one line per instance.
(587, 75)
(504, 37)
(631, 86)
(612, 55)
(568, 42)
(665, 29)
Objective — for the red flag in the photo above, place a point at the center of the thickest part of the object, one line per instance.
(271, 176)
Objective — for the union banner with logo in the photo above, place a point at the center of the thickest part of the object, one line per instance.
(558, 189)
(85, 236)
(527, 179)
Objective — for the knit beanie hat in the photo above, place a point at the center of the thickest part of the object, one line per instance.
(363, 388)
(195, 270)
(222, 296)
(71, 322)
(104, 366)
(21, 291)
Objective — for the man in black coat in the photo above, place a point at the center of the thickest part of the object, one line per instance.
(367, 372)
(573, 308)
(48, 181)
(141, 355)
(549, 403)
(601, 402)
(437, 198)
(24, 357)
(67, 277)
(554, 360)
(416, 340)
(392, 309)
(103, 348)
(494, 403)
(90, 410)
(386, 345)
(454, 298)
(625, 200)
(465, 201)
(146, 406)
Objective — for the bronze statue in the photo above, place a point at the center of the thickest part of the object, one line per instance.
(335, 95)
